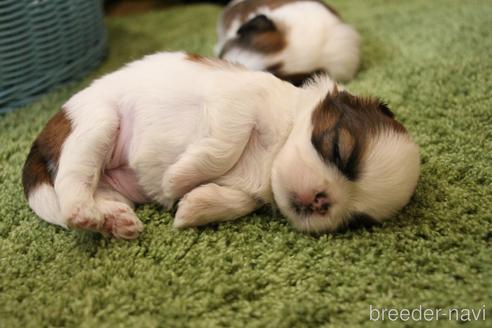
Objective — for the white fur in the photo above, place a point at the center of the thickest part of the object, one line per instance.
(316, 39)
(44, 201)
(390, 176)
(212, 135)
(250, 59)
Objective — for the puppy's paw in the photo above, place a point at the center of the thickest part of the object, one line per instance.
(120, 221)
(85, 217)
(175, 185)
(188, 213)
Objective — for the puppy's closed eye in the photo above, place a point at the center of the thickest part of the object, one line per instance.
(336, 146)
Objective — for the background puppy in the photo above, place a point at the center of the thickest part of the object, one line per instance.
(223, 141)
(290, 38)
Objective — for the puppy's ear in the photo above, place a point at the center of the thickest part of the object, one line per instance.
(383, 107)
(359, 221)
(258, 24)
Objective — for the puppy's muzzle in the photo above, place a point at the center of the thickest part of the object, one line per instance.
(311, 203)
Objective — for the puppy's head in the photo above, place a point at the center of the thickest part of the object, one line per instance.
(291, 39)
(345, 159)
(253, 43)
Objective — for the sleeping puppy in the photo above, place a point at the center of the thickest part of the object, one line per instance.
(292, 39)
(222, 141)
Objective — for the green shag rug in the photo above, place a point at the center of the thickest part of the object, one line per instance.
(431, 60)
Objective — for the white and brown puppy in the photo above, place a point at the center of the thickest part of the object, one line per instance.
(292, 39)
(222, 141)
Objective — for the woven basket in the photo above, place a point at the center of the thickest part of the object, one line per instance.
(44, 43)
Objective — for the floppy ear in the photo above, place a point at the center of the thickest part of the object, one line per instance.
(383, 107)
(359, 221)
(260, 23)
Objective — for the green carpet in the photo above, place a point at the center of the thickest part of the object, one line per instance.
(431, 62)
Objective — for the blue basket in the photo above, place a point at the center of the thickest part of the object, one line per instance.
(44, 43)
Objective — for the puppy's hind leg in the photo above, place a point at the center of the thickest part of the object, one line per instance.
(120, 220)
(81, 162)
(213, 203)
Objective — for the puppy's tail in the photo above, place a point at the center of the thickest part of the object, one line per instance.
(40, 169)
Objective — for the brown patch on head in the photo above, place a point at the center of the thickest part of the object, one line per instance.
(267, 42)
(42, 162)
(259, 34)
(342, 126)
(242, 10)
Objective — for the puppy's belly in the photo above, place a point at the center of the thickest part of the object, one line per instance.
(117, 173)
(124, 180)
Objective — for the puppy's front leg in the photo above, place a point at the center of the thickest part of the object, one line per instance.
(213, 203)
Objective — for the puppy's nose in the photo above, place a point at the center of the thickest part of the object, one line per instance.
(311, 203)
(321, 203)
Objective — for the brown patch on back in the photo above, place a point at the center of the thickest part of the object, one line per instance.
(42, 162)
(342, 126)
(213, 62)
(196, 58)
(243, 9)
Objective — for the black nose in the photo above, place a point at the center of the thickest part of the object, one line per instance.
(319, 203)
